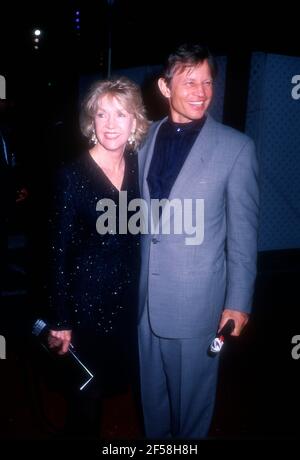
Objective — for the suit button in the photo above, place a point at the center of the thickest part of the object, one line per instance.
(155, 240)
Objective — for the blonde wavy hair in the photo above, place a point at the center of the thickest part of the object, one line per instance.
(127, 93)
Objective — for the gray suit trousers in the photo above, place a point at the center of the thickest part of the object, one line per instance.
(178, 384)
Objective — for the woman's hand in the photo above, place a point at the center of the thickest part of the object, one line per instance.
(60, 340)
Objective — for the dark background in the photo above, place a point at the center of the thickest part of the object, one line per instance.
(141, 33)
(43, 84)
(258, 391)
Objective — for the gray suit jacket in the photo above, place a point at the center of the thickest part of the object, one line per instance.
(187, 284)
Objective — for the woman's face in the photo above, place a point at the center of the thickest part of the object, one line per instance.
(113, 124)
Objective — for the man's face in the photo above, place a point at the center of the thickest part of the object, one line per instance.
(189, 93)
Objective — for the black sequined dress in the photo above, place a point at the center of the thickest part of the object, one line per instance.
(93, 277)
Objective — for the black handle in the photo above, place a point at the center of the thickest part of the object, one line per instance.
(227, 328)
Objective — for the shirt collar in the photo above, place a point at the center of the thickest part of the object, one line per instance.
(194, 125)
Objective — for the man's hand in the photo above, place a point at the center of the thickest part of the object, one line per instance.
(240, 320)
(60, 340)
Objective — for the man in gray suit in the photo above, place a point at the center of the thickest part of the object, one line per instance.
(190, 287)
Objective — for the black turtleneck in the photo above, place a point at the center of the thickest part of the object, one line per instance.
(173, 144)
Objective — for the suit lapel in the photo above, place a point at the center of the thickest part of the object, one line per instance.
(194, 165)
(197, 159)
(145, 161)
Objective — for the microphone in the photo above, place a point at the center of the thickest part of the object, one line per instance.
(79, 374)
(218, 342)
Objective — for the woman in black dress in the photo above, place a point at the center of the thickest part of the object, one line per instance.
(93, 265)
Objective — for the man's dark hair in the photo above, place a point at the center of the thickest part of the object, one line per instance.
(187, 55)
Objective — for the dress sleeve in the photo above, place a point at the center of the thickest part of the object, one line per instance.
(60, 236)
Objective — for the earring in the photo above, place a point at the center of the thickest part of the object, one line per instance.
(94, 139)
(131, 139)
